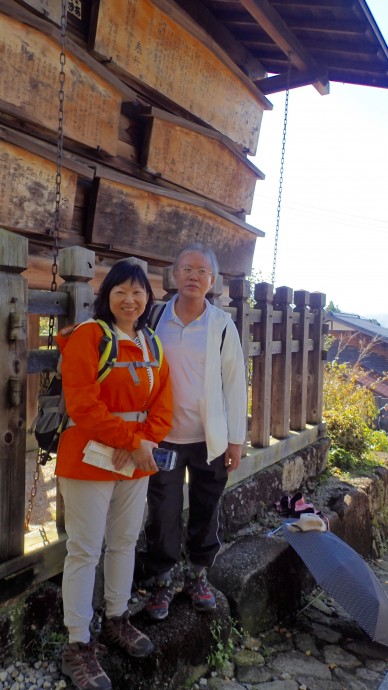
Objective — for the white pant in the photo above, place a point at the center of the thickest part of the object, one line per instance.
(94, 510)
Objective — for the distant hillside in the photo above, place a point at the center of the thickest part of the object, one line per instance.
(381, 318)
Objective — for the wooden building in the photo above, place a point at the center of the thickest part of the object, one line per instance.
(162, 101)
(363, 344)
(125, 129)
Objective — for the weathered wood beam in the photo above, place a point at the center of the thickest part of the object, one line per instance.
(42, 360)
(236, 50)
(26, 570)
(47, 303)
(271, 22)
(294, 80)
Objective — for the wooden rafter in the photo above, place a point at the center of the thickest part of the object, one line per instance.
(271, 22)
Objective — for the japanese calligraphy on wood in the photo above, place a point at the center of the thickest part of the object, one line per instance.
(199, 160)
(29, 84)
(151, 46)
(144, 220)
(27, 191)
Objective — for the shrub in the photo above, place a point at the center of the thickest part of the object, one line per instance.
(349, 412)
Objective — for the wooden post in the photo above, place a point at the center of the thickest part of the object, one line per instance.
(168, 283)
(315, 360)
(239, 292)
(13, 391)
(281, 364)
(262, 368)
(215, 294)
(76, 267)
(299, 361)
(32, 380)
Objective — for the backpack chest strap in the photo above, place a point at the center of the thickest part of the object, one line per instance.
(132, 366)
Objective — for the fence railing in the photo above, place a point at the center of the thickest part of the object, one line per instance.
(282, 338)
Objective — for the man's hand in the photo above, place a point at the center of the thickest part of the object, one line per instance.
(142, 457)
(232, 456)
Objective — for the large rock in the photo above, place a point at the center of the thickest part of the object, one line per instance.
(246, 501)
(262, 578)
(182, 640)
(30, 626)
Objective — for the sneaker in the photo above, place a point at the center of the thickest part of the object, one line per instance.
(159, 601)
(79, 662)
(196, 586)
(119, 631)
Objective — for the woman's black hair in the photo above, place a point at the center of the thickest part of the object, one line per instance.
(120, 272)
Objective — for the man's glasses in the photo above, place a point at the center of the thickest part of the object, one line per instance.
(189, 271)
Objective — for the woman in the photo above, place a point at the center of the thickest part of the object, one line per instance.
(132, 418)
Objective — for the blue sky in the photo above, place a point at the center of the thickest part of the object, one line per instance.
(333, 234)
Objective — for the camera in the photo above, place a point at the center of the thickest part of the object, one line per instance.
(165, 459)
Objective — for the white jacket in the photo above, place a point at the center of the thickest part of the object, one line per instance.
(224, 405)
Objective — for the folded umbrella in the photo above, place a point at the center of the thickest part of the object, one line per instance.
(344, 574)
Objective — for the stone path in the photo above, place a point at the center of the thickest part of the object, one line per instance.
(323, 650)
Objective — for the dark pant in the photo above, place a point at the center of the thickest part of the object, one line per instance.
(164, 524)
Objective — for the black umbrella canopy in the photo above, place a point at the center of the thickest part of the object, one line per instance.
(344, 574)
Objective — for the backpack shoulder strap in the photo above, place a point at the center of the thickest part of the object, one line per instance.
(156, 313)
(154, 344)
(107, 349)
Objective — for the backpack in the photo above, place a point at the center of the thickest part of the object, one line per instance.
(52, 417)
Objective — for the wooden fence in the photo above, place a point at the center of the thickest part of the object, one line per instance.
(282, 338)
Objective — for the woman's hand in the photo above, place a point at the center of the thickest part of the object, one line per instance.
(121, 458)
(143, 457)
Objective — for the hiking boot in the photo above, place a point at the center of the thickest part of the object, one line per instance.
(119, 631)
(196, 586)
(80, 664)
(158, 603)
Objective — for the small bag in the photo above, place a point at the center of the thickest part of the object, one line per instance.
(51, 418)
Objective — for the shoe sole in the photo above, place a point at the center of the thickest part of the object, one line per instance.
(204, 609)
(67, 672)
(138, 655)
(157, 617)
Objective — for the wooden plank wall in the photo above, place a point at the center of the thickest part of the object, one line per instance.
(149, 97)
(158, 122)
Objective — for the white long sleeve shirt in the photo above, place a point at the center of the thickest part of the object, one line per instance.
(209, 385)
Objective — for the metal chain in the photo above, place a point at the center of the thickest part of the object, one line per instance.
(41, 457)
(280, 187)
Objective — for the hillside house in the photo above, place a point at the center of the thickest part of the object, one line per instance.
(363, 342)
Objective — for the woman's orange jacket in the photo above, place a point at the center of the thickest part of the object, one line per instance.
(89, 403)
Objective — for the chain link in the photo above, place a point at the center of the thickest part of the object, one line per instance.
(33, 493)
(41, 457)
(280, 187)
(44, 536)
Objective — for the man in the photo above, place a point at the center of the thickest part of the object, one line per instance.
(207, 372)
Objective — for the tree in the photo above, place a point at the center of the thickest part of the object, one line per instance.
(332, 307)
